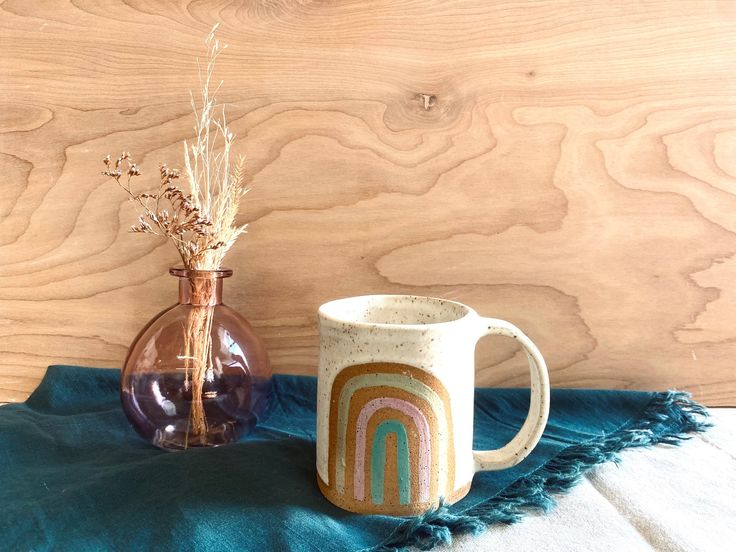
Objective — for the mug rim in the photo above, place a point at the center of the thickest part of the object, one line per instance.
(324, 315)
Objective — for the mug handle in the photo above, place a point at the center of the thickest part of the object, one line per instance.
(528, 436)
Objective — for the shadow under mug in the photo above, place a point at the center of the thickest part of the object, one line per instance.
(395, 402)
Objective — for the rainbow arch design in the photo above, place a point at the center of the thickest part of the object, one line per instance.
(390, 438)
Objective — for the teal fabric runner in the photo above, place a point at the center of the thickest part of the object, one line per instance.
(74, 475)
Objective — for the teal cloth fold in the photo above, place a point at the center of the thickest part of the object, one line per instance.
(75, 476)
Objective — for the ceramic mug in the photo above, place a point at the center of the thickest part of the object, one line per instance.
(395, 402)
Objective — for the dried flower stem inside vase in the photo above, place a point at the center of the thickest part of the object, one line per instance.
(198, 346)
(202, 289)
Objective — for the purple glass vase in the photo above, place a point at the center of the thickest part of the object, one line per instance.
(197, 375)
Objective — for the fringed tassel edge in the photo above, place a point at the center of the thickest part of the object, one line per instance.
(666, 419)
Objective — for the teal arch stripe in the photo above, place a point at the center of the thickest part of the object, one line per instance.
(378, 461)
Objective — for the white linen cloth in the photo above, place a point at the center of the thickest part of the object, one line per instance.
(664, 499)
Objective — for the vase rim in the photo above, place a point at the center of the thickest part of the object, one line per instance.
(182, 272)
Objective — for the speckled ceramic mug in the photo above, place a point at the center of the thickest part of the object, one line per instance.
(395, 402)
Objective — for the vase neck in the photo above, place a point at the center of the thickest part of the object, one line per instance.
(200, 287)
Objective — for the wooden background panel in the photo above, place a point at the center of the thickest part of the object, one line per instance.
(568, 167)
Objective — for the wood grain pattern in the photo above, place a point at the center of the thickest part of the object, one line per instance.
(568, 167)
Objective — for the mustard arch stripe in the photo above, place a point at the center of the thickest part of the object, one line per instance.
(378, 461)
(406, 383)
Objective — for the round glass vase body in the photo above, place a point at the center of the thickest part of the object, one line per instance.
(197, 375)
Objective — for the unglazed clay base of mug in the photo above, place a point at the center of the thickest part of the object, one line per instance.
(341, 501)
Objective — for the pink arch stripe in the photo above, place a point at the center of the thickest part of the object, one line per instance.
(420, 421)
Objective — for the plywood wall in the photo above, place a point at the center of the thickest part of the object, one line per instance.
(567, 166)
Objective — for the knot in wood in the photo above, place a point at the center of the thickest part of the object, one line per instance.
(428, 101)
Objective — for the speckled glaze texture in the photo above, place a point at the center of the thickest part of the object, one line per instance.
(395, 402)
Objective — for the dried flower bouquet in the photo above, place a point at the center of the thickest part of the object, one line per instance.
(200, 223)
